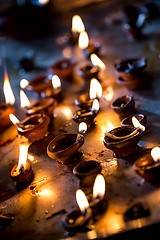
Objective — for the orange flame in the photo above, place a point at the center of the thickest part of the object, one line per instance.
(95, 89)
(108, 95)
(13, 119)
(83, 40)
(82, 201)
(24, 83)
(82, 127)
(137, 124)
(97, 61)
(56, 82)
(155, 153)
(24, 99)
(77, 24)
(23, 155)
(99, 187)
(95, 105)
(8, 93)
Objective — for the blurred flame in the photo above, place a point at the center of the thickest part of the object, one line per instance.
(95, 89)
(109, 94)
(83, 40)
(82, 127)
(24, 83)
(97, 61)
(110, 126)
(23, 155)
(95, 105)
(137, 124)
(77, 24)
(24, 99)
(56, 82)
(82, 201)
(9, 96)
(45, 192)
(13, 119)
(155, 153)
(99, 187)
(30, 157)
(66, 111)
(43, 2)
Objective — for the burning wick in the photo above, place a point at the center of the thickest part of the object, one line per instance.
(56, 82)
(82, 201)
(97, 61)
(24, 99)
(95, 105)
(95, 89)
(99, 187)
(9, 96)
(82, 128)
(83, 41)
(77, 24)
(155, 153)
(24, 83)
(137, 125)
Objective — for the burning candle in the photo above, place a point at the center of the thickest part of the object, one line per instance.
(55, 91)
(24, 99)
(33, 128)
(82, 128)
(128, 120)
(6, 108)
(97, 61)
(149, 166)
(22, 172)
(79, 218)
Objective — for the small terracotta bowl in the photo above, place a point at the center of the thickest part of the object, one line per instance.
(87, 168)
(84, 101)
(65, 147)
(128, 120)
(124, 105)
(147, 168)
(63, 68)
(89, 71)
(5, 110)
(45, 105)
(85, 115)
(125, 146)
(40, 83)
(23, 175)
(34, 127)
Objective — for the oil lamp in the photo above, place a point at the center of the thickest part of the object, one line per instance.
(78, 219)
(128, 120)
(96, 61)
(33, 127)
(22, 172)
(124, 105)
(149, 166)
(87, 115)
(65, 147)
(123, 140)
(85, 101)
(55, 90)
(6, 108)
(88, 71)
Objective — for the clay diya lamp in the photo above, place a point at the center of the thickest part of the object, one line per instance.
(93, 48)
(129, 69)
(40, 83)
(78, 219)
(65, 147)
(124, 105)
(33, 127)
(148, 166)
(128, 120)
(138, 210)
(63, 68)
(123, 140)
(46, 105)
(22, 172)
(87, 115)
(84, 101)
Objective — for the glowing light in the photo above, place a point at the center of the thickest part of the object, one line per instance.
(23, 155)
(66, 111)
(77, 24)
(9, 96)
(82, 127)
(13, 119)
(108, 95)
(82, 201)
(137, 124)
(83, 40)
(95, 89)
(155, 153)
(24, 83)
(95, 105)
(45, 192)
(24, 99)
(97, 61)
(56, 82)
(109, 126)
(99, 187)
(43, 2)
(31, 158)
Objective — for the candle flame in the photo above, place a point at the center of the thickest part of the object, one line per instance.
(108, 95)
(77, 24)
(95, 89)
(99, 187)
(97, 61)
(56, 82)
(83, 40)
(43, 2)
(66, 111)
(24, 83)
(95, 105)
(137, 124)
(24, 99)
(23, 155)
(8, 93)
(82, 201)
(82, 127)
(13, 119)
(155, 153)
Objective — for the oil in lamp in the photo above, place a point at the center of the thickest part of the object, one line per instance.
(22, 172)
(85, 101)
(78, 219)
(124, 105)
(33, 127)
(6, 108)
(123, 140)
(72, 38)
(149, 166)
(45, 105)
(87, 115)
(65, 148)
